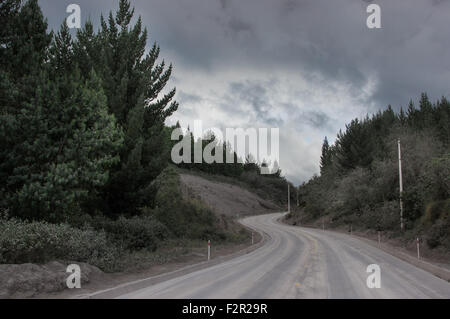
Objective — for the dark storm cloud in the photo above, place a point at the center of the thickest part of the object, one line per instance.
(316, 119)
(183, 97)
(253, 93)
(237, 55)
(328, 37)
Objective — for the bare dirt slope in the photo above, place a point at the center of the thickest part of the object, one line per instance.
(226, 199)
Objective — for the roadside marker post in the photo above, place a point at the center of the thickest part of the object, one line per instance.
(252, 239)
(418, 248)
(379, 238)
(289, 199)
(209, 250)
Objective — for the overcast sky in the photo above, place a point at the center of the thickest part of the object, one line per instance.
(304, 66)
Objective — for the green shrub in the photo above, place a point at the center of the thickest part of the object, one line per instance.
(183, 217)
(133, 233)
(436, 210)
(437, 219)
(40, 242)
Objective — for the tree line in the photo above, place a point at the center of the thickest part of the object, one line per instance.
(82, 118)
(359, 179)
(211, 145)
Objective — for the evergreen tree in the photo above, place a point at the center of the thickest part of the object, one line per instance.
(442, 120)
(325, 159)
(425, 111)
(402, 117)
(353, 148)
(276, 170)
(28, 44)
(61, 53)
(412, 115)
(68, 142)
(250, 164)
(9, 10)
(59, 138)
(133, 83)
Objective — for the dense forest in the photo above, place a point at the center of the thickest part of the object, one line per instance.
(359, 175)
(82, 120)
(85, 165)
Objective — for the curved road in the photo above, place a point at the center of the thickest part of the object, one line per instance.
(301, 263)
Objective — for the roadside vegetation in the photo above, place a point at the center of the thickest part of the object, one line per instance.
(157, 235)
(359, 182)
(85, 170)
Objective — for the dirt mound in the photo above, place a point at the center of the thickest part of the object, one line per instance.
(27, 280)
(226, 199)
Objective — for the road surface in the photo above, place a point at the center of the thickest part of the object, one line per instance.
(301, 263)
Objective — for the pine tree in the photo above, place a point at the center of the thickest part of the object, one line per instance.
(29, 43)
(276, 170)
(133, 82)
(325, 159)
(354, 147)
(9, 10)
(425, 111)
(61, 52)
(64, 155)
(411, 114)
(442, 120)
(59, 138)
(402, 117)
(251, 165)
(23, 47)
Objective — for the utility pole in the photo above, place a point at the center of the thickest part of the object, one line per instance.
(289, 198)
(401, 184)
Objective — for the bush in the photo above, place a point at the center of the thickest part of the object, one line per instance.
(24, 242)
(437, 218)
(183, 217)
(133, 233)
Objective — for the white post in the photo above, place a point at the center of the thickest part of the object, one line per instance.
(252, 239)
(418, 248)
(297, 197)
(289, 198)
(379, 238)
(323, 225)
(351, 229)
(401, 184)
(209, 250)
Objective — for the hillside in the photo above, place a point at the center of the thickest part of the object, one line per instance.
(358, 186)
(226, 199)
